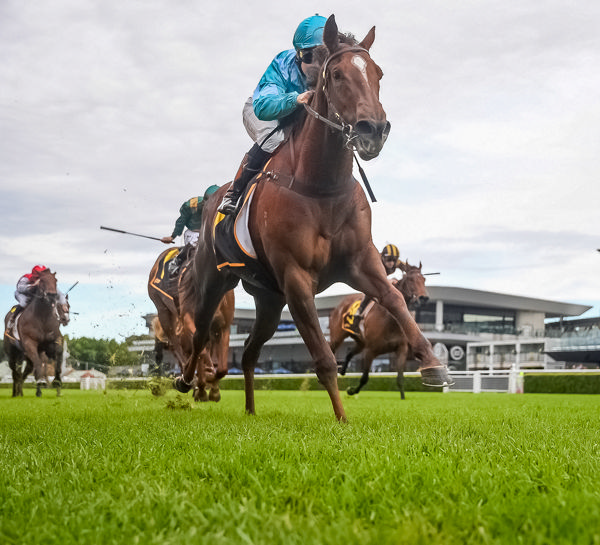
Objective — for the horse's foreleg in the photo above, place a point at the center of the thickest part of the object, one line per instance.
(376, 285)
(206, 305)
(401, 356)
(200, 392)
(268, 313)
(57, 357)
(35, 363)
(366, 368)
(353, 351)
(300, 299)
(15, 363)
(221, 352)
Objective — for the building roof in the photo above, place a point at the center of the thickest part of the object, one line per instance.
(551, 309)
(463, 296)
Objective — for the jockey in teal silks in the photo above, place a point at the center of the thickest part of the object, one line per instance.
(279, 93)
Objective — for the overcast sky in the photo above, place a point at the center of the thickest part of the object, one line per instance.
(114, 112)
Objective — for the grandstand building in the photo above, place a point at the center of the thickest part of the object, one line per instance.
(469, 329)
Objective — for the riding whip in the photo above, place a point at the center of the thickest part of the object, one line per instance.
(72, 287)
(128, 233)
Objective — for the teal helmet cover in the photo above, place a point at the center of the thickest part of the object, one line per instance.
(212, 189)
(309, 32)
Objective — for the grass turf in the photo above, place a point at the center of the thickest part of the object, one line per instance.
(127, 467)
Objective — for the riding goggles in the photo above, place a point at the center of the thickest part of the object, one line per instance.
(306, 55)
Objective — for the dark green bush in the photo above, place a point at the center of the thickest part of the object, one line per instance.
(561, 383)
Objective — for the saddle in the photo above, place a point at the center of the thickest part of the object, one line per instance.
(162, 280)
(233, 244)
(349, 317)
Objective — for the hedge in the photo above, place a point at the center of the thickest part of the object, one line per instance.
(561, 383)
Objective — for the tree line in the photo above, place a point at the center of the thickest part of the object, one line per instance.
(100, 353)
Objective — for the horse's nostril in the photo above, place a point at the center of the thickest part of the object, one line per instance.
(423, 299)
(364, 128)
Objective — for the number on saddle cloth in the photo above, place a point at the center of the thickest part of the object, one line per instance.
(349, 316)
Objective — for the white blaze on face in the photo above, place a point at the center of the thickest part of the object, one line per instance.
(361, 64)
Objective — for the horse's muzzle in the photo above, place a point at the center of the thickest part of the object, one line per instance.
(370, 137)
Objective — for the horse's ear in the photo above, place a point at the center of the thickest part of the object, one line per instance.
(420, 266)
(330, 34)
(368, 40)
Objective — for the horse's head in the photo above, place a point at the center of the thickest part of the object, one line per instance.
(46, 286)
(350, 82)
(412, 285)
(64, 309)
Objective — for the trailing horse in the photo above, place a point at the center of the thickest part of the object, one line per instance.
(35, 336)
(174, 299)
(310, 225)
(381, 334)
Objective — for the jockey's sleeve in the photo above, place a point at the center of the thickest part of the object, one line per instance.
(277, 91)
(184, 214)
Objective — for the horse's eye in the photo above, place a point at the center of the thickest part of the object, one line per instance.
(337, 75)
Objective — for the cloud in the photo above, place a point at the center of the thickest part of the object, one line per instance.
(114, 113)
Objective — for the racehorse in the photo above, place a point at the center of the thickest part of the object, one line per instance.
(381, 333)
(310, 224)
(174, 299)
(37, 336)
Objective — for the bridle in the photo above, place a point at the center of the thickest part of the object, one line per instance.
(346, 129)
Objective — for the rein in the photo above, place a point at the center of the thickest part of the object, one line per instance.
(346, 129)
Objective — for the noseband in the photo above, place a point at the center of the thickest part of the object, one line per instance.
(346, 129)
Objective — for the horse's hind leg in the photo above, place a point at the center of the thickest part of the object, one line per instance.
(268, 313)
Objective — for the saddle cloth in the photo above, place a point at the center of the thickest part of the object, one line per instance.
(12, 332)
(233, 245)
(349, 316)
(162, 280)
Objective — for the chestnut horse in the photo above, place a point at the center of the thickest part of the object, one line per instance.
(174, 299)
(37, 336)
(310, 224)
(382, 335)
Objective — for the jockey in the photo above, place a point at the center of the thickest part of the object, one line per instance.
(280, 91)
(190, 218)
(26, 287)
(390, 257)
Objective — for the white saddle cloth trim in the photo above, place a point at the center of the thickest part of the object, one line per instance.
(240, 229)
(15, 328)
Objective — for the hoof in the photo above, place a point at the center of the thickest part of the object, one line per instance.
(350, 391)
(200, 394)
(214, 395)
(181, 386)
(437, 377)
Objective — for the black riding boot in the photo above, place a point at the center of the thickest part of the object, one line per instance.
(178, 260)
(252, 163)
